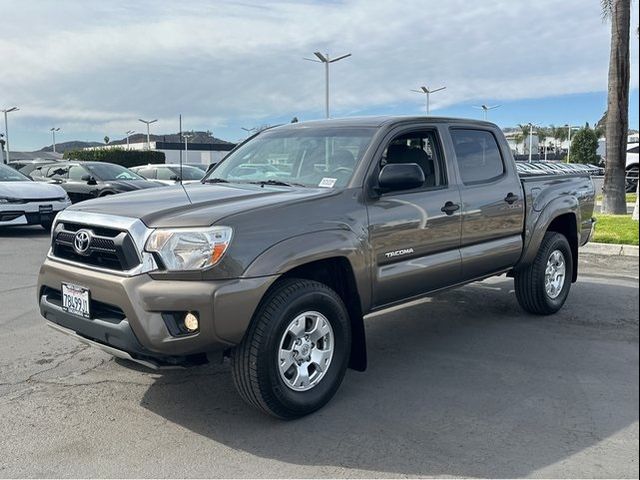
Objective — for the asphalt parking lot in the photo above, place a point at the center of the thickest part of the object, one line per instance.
(464, 384)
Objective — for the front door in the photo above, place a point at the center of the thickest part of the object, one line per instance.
(414, 236)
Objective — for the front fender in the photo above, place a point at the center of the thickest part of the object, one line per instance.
(311, 247)
(539, 219)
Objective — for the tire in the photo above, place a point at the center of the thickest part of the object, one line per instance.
(530, 282)
(255, 361)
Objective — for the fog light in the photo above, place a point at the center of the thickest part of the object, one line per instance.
(190, 322)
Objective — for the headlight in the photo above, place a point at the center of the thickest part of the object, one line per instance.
(189, 248)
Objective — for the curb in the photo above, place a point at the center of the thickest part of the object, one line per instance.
(614, 249)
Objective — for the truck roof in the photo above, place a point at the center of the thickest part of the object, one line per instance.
(378, 121)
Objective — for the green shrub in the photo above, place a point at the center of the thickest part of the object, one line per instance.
(584, 146)
(119, 156)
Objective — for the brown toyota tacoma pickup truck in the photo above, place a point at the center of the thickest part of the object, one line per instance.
(275, 258)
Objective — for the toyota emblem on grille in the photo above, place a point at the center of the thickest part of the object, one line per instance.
(81, 241)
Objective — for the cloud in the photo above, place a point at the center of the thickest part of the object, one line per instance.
(101, 65)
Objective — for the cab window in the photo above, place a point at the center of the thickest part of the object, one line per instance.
(76, 172)
(478, 156)
(58, 171)
(165, 173)
(421, 148)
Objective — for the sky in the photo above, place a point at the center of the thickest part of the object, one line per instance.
(94, 68)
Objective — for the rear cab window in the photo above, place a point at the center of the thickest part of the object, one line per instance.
(478, 155)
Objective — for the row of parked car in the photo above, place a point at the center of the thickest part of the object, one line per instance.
(542, 168)
(33, 192)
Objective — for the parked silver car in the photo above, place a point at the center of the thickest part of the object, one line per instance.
(25, 202)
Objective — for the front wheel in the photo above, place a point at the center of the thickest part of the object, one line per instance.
(543, 287)
(294, 355)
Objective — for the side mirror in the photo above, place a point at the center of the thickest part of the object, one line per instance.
(89, 179)
(400, 176)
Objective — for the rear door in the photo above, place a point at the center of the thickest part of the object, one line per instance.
(492, 202)
(415, 242)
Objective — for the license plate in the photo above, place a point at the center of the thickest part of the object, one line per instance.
(75, 300)
(46, 208)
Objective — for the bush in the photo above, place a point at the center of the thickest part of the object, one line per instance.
(584, 146)
(119, 156)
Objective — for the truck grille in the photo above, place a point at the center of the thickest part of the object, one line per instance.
(107, 248)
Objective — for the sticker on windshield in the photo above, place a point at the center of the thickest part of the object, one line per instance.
(327, 182)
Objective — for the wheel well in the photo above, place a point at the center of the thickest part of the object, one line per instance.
(567, 225)
(337, 274)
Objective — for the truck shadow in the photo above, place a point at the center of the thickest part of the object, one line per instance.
(464, 384)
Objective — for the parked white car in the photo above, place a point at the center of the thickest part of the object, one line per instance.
(25, 202)
(169, 173)
(632, 166)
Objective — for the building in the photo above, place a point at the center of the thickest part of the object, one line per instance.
(200, 147)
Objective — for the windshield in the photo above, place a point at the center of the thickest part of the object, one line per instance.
(110, 171)
(8, 174)
(188, 173)
(313, 157)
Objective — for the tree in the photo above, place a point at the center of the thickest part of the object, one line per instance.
(584, 146)
(562, 135)
(106, 139)
(517, 138)
(294, 120)
(542, 133)
(619, 13)
(524, 129)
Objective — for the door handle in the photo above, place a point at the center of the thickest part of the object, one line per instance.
(450, 207)
(511, 198)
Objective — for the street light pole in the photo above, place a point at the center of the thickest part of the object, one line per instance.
(129, 133)
(326, 59)
(6, 127)
(485, 109)
(186, 146)
(569, 128)
(53, 131)
(428, 93)
(530, 140)
(148, 122)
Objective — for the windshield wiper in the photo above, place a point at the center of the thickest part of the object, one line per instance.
(215, 180)
(280, 183)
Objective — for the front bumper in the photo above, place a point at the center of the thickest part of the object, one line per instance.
(127, 311)
(31, 213)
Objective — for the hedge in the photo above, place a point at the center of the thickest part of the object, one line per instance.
(126, 158)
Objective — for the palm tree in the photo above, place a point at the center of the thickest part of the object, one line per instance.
(619, 13)
(524, 129)
(543, 133)
(517, 138)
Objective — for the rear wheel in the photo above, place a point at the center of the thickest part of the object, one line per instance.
(295, 354)
(543, 287)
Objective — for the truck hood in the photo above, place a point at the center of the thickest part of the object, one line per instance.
(195, 205)
(31, 190)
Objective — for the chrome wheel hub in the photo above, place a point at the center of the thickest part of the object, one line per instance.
(554, 274)
(306, 351)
